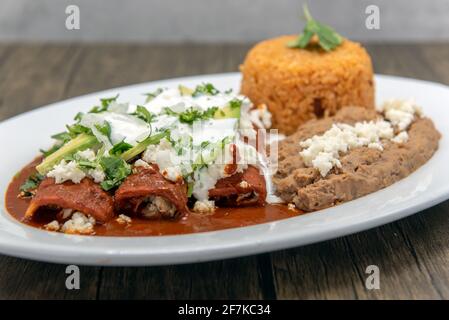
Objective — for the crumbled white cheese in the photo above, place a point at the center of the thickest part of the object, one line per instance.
(79, 224)
(244, 184)
(401, 137)
(162, 154)
(291, 206)
(324, 162)
(141, 163)
(205, 206)
(69, 170)
(97, 174)
(376, 145)
(400, 113)
(322, 152)
(87, 154)
(123, 219)
(52, 226)
(172, 173)
(65, 171)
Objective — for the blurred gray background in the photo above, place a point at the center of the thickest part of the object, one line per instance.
(217, 20)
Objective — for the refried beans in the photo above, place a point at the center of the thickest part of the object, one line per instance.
(363, 170)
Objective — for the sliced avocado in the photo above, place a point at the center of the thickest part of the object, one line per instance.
(227, 112)
(185, 91)
(141, 146)
(79, 143)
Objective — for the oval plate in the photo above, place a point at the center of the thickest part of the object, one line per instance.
(29, 131)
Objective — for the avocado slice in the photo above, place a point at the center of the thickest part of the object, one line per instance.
(227, 112)
(185, 91)
(79, 143)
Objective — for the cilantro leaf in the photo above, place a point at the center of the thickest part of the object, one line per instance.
(105, 102)
(191, 115)
(115, 169)
(104, 129)
(151, 95)
(235, 103)
(169, 112)
(209, 113)
(143, 113)
(31, 184)
(62, 136)
(77, 129)
(328, 38)
(78, 116)
(120, 148)
(86, 164)
(205, 89)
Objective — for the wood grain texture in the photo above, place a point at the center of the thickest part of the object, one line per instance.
(412, 254)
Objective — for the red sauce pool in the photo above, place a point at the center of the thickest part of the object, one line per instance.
(223, 218)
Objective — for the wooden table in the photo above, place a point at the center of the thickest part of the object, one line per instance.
(412, 254)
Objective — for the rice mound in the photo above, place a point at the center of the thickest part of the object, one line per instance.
(302, 84)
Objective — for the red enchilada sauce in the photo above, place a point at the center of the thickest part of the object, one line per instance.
(223, 218)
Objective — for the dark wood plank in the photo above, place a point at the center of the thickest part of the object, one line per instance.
(107, 66)
(24, 279)
(411, 254)
(228, 279)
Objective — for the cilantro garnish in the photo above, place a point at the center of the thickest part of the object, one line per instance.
(191, 115)
(115, 169)
(120, 148)
(151, 95)
(235, 103)
(209, 113)
(104, 129)
(31, 184)
(77, 129)
(142, 113)
(78, 116)
(328, 38)
(62, 136)
(105, 102)
(205, 89)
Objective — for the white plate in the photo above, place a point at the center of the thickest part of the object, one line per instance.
(25, 134)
